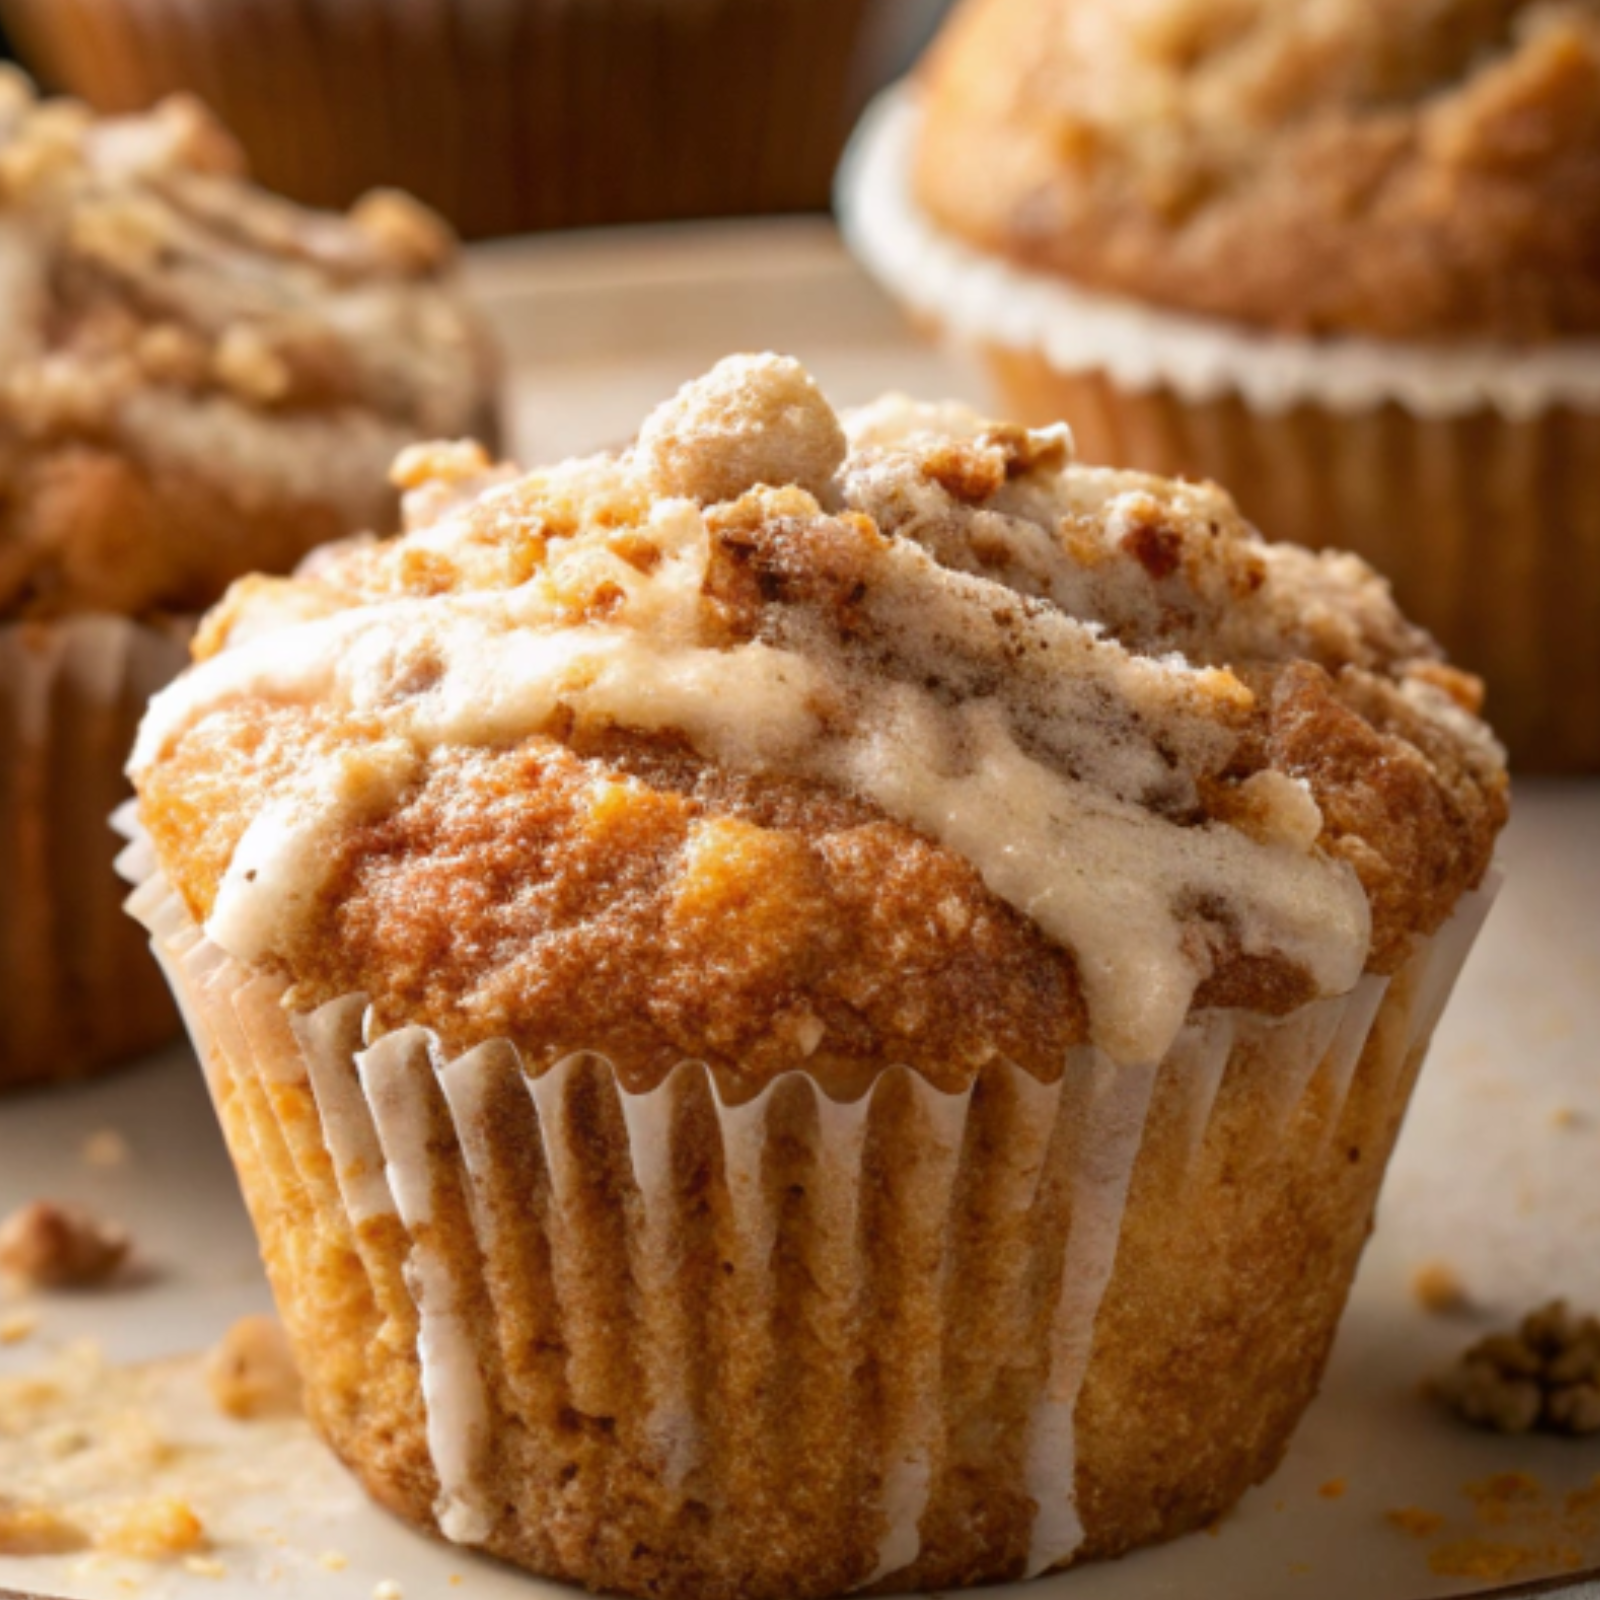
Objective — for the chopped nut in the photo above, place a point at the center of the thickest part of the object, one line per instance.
(55, 1247)
(1438, 1288)
(251, 1372)
(405, 230)
(333, 1561)
(388, 1590)
(156, 1530)
(1545, 1376)
(37, 1531)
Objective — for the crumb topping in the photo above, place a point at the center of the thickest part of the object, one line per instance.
(165, 318)
(1411, 169)
(1544, 1377)
(611, 703)
(49, 1246)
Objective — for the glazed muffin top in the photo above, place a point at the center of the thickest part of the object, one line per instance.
(197, 379)
(1397, 168)
(789, 740)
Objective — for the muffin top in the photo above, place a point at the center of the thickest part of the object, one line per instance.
(197, 379)
(786, 740)
(1411, 169)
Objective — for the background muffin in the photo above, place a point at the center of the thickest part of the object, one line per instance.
(507, 115)
(1052, 885)
(1339, 257)
(198, 381)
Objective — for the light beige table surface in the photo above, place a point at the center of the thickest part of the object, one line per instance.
(1498, 1172)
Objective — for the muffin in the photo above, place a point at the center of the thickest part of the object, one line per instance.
(507, 115)
(1339, 257)
(819, 1001)
(199, 381)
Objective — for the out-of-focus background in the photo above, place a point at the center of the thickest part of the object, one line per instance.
(508, 116)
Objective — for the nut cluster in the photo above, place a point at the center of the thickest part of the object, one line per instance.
(1544, 1377)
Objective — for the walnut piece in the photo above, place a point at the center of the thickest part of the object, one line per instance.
(49, 1246)
(1544, 1377)
(250, 1372)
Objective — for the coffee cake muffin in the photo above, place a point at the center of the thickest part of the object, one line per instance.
(821, 1001)
(198, 381)
(1338, 256)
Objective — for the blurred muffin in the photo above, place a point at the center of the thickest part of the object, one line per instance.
(198, 381)
(507, 115)
(820, 1001)
(1338, 256)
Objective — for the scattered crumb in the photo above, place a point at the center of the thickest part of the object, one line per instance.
(1517, 1529)
(1333, 1489)
(105, 1148)
(1415, 1521)
(388, 1590)
(1544, 1377)
(60, 1247)
(205, 1566)
(1504, 1488)
(1299, 1569)
(37, 1531)
(455, 1579)
(17, 1326)
(251, 1374)
(333, 1561)
(1438, 1287)
(156, 1530)
(1566, 1117)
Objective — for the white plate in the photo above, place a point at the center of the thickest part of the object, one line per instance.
(1498, 1171)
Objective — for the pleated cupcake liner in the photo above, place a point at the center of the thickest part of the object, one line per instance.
(1463, 473)
(662, 1343)
(78, 989)
(507, 115)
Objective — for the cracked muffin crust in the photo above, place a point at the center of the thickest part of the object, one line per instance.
(781, 740)
(1398, 168)
(201, 380)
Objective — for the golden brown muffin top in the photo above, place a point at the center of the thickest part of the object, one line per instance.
(1400, 168)
(782, 739)
(163, 322)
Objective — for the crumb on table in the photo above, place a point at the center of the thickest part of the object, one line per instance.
(50, 1246)
(1543, 1377)
(31, 1530)
(16, 1326)
(251, 1373)
(1413, 1520)
(1333, 1489)
(105, 1148)
(156, 1530)
(1437, 1287)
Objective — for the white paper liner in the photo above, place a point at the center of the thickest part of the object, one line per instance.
(76, 992)
(373, 1122)
(981, 299)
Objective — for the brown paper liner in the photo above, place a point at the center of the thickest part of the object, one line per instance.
(78, 990)
(1488, 526)
(506, 116)
(665, 1345)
